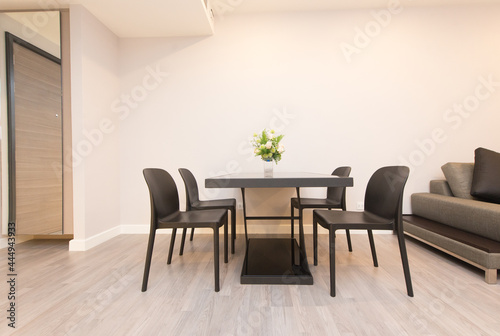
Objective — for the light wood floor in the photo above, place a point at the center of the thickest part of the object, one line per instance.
(97, 292)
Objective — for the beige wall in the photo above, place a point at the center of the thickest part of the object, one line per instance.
(389, 105)
(94, 85)
(194, 102)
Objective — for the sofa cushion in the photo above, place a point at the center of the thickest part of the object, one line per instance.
(486, 176)
(440, 187)
(481, 218)
(459, 177)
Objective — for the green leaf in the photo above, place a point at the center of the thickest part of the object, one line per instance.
(264, 137)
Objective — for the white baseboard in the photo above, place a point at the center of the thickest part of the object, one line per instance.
(252, 229)
(87, 244)
(144, 229)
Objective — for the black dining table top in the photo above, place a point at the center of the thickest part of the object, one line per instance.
(278, 180)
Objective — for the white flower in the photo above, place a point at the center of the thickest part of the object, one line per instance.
(281, 149)
(269, 144)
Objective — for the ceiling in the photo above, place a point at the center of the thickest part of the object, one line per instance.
(150, 18)
(255, 6)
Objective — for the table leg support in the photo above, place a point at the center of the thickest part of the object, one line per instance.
(302, 245)
(244, 215)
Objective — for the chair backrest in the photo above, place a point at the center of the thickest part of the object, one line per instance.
(192, 193)
(162, 191)
(338, 193)
(384, 192)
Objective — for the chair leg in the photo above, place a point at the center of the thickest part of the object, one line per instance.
(372, 246)
(171, 249)
(315, 241)
(216, 257)
(226, 239)
(233, 229)
(335, 233)
(406, 265)
(331, 236)
(184, 231)
(348, 235)
(292, 220)
(192, 234)
(147, 265)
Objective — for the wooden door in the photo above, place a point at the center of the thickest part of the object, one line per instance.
(36, 170)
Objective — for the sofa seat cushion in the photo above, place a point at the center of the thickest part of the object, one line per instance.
(481, 218)
(471, 239)
(486, 177)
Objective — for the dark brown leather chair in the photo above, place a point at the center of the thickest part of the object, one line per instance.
(165, 214)
(193, 203)
(383, 207)
(335, 199)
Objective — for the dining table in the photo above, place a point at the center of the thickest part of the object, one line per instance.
(270, 260)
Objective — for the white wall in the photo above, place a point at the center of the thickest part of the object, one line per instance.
(194, 102)
(379, 109)
(94, 85)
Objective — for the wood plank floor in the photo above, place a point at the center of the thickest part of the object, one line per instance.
(97, 292)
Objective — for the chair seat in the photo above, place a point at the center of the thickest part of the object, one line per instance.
(315, 203)
(195, 218)
(352, 220)
(214, 204)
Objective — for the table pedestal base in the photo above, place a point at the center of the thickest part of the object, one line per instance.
(275, 261)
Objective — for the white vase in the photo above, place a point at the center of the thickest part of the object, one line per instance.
(268, 168)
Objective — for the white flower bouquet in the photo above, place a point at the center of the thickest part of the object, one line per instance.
(267, 145)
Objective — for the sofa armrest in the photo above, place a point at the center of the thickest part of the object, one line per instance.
(440, 187)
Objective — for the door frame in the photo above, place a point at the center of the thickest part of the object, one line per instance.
(10, 39)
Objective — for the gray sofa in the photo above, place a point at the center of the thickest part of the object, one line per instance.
(450, 219)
